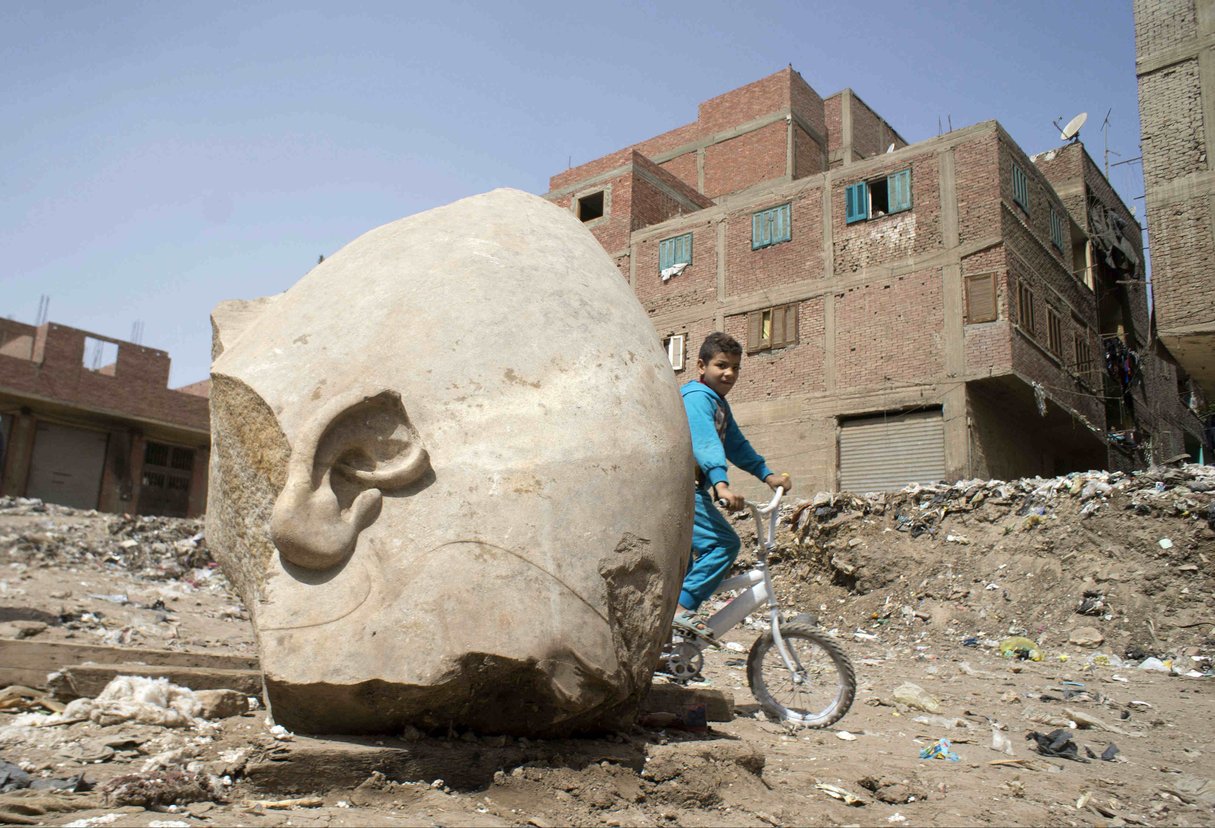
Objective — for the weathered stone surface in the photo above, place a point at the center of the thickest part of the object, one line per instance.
(451, 478)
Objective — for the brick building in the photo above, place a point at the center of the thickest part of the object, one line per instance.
(1175, 64)
(909, 312)
(89, 421)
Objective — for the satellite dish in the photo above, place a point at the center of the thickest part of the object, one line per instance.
(1073, 127)
(890, 148)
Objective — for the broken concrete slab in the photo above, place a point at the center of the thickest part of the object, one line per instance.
(30, 662)
(88, 680)
(452, 512)
(309, 765)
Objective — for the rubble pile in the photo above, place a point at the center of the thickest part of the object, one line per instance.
(156, 548)
(1108, 564)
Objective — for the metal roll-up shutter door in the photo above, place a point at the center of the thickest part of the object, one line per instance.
(888, 452)
(66, 465)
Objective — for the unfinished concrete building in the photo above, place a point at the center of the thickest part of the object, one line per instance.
(1175, 64)
(909, 312)
(88, 421)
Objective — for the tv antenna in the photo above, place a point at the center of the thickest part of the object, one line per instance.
(1071, 132)
(44, 307)
(1105, 128)
(137, 332)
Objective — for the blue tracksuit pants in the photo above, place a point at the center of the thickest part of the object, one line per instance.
(715, 545)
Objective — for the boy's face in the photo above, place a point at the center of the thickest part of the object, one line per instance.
(720, 372)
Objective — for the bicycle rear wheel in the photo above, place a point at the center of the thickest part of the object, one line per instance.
(820, 688)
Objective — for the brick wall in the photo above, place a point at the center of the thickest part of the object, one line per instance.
(808, 156)
(870, 133)
(833, 117)
(749, 159)
(978, 181)
(890, 333)
(1160, 24)
(796, 260)
(696, 285)
(795, 370)
(137, 388)
(1182, 252)
(883, 240)
(684, 167)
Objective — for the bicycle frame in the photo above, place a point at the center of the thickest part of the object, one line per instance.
(756, 584)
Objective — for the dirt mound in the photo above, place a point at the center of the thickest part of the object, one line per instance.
(1126, 555)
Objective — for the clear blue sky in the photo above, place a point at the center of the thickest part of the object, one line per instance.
(157, 158)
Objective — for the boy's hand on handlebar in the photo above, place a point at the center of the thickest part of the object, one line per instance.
(729, 500)
(781, 481)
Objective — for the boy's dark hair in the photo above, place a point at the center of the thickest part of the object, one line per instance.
(719, 343)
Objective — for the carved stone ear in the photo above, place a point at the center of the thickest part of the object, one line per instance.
(354, 449)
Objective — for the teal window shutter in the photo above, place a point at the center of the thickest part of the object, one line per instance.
(856, 202)
(683, 249)
(1020, 187)
(1056, 228)
(666, 253)
(781, 231)
(898, 191)
(771, 226)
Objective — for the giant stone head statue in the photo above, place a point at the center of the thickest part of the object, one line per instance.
(451, 478)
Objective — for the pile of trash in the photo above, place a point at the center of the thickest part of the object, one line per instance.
(155, 548)
(1183, 491)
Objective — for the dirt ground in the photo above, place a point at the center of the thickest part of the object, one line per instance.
(1102, 572)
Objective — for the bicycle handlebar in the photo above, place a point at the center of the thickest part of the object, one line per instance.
(762, 510)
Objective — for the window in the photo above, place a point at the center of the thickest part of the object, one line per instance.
(1020, 186)
(100, 355)
(769, 227)
(1084, 355)
(1056, 228)
(676, 346)
(675, 251)
(1054, 332)
(1025, 308)
(771, 328)
(590, 207)
(980, 298)
(880, 197)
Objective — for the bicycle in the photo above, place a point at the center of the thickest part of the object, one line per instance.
(796, 672)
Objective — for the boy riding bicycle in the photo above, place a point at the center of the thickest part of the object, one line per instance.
(716, 438)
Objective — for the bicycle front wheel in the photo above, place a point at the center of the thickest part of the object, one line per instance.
(819, 688)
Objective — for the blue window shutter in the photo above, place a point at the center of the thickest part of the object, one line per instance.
(665, 250)
(783, 224)
(856, 200)
(683, 255)
(898, 189)
(758, 225)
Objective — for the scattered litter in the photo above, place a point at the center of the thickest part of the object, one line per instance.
(1020, 647)
(1156, 665)
(836, 792)
(285, 804)
(916, 697)
(1000, 742)
(845, 736)
(941, 750)
(1107, 755)
(1166, 543)
(1057, 743)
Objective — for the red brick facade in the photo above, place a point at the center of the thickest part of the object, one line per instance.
(49, 388)
(881, 324)
(1176, 94)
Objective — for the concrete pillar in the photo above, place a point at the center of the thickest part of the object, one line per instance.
(138, 446)
(116, 473)
(198, 484)
(17, 454)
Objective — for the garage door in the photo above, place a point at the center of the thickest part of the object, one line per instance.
(66, 465)
(889, 451)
